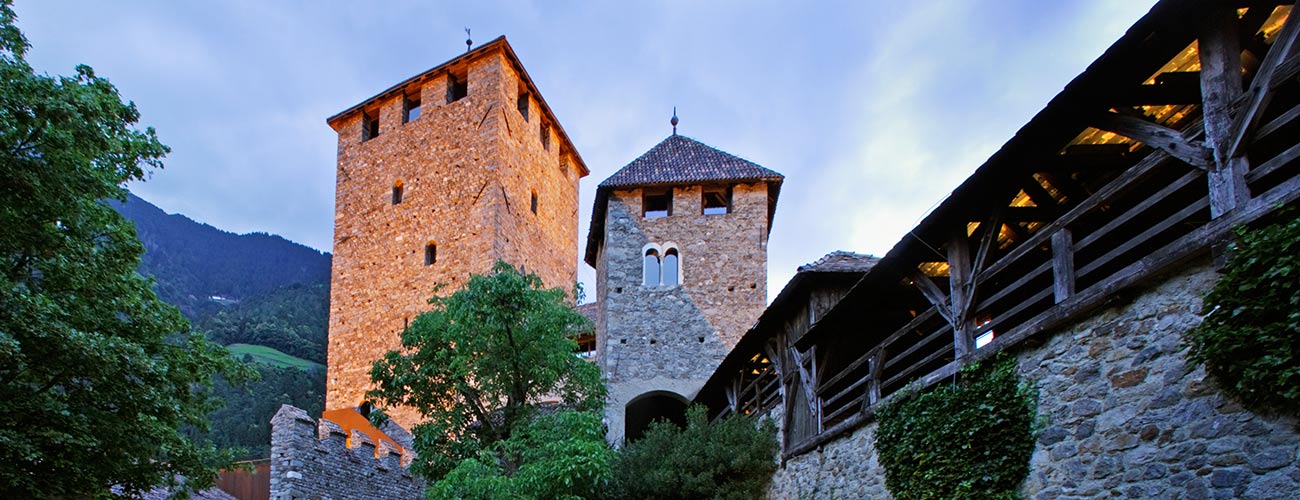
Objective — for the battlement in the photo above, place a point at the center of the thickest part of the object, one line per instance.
(313, 458)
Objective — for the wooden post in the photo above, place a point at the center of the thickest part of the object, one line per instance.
(960, 293)
(1220, 86)
(873, 387)
(1063, 264)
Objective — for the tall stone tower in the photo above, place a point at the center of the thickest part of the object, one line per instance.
(438, 177)
(679, 242)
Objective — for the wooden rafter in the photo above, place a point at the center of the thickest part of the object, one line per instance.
(1261, 86)
(1157, 136)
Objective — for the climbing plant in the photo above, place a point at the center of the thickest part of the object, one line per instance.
(968, 440)
(1250, 339)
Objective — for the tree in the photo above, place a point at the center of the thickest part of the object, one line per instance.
(476, 367)
(96, 374)
(729, 459)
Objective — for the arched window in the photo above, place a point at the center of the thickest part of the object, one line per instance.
(650, 267)
(430, 253)
(671, 267)
(397, 192)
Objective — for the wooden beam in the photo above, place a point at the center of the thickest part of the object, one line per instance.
(1118, 186)
(989, 231)
(1037, 192)
(873, 390)
(1030, 214)
(934, 294)
(1062, 264)
(1221, 85)
(1261, 86)
(1157, 136)
(961, 292)
(1174, 87)
(1083, 161)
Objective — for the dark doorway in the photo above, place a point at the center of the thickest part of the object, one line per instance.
(649, 407)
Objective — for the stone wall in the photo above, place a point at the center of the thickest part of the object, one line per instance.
(315, 460)
(671, 338)
(1122, 415)
(468, 171)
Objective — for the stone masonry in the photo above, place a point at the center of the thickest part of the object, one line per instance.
(671, 338)
(1122, 414)
(315, 460)
(488, 176)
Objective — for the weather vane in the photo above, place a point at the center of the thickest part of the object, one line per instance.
(674, 120)
(468, 41)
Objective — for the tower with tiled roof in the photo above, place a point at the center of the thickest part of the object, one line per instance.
(679, 241)
(438, 177)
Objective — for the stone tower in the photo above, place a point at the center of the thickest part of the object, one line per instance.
(679, 242)
(438, 177)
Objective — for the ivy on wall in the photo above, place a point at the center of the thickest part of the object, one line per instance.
(1250, 339)
(968, 440)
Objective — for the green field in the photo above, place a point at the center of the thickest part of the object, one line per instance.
(269, 356)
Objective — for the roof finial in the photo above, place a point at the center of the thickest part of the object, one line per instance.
(468, 42)
(674, 120)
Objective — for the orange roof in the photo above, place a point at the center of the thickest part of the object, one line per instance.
(350, 420)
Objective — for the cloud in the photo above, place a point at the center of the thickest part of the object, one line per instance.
(874, 111)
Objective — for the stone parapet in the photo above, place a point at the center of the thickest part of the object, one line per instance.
(315, 459)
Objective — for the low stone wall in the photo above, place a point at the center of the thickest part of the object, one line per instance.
(1121, 414)
(312, 459)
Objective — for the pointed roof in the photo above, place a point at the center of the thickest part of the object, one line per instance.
(682, 160)
(678, 160)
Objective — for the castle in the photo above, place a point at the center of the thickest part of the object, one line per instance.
(1081, 250)
(443, 174)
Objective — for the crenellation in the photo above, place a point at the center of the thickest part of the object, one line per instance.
(315, 459)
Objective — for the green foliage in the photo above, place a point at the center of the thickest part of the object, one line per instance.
(968, 440)
(192, 262)
(1250, 339)
(477, 365)
(96, 374)
(270, 356)
(557, 456)
(243, 423)
(293, 319)
(731, 459)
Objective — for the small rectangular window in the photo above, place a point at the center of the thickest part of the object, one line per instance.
(369, 126)
(457, 87)
(430, 254)
(546, 137)
(657, 203)
(534, 204)
(717, 200)
(522, 104)
(410, 109)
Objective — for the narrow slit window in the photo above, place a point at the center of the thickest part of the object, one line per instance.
(457, 87)
(717, 201)
(430, 253)
(369, 126)
(522, 104)
(534, 203)
(397, 192)
(656, 204)
(650, 268)
(671, 267)
(410, 109)
(546, 137)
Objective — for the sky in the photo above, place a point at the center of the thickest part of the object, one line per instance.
(873, 110)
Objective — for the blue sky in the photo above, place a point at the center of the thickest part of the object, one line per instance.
(873, 110)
